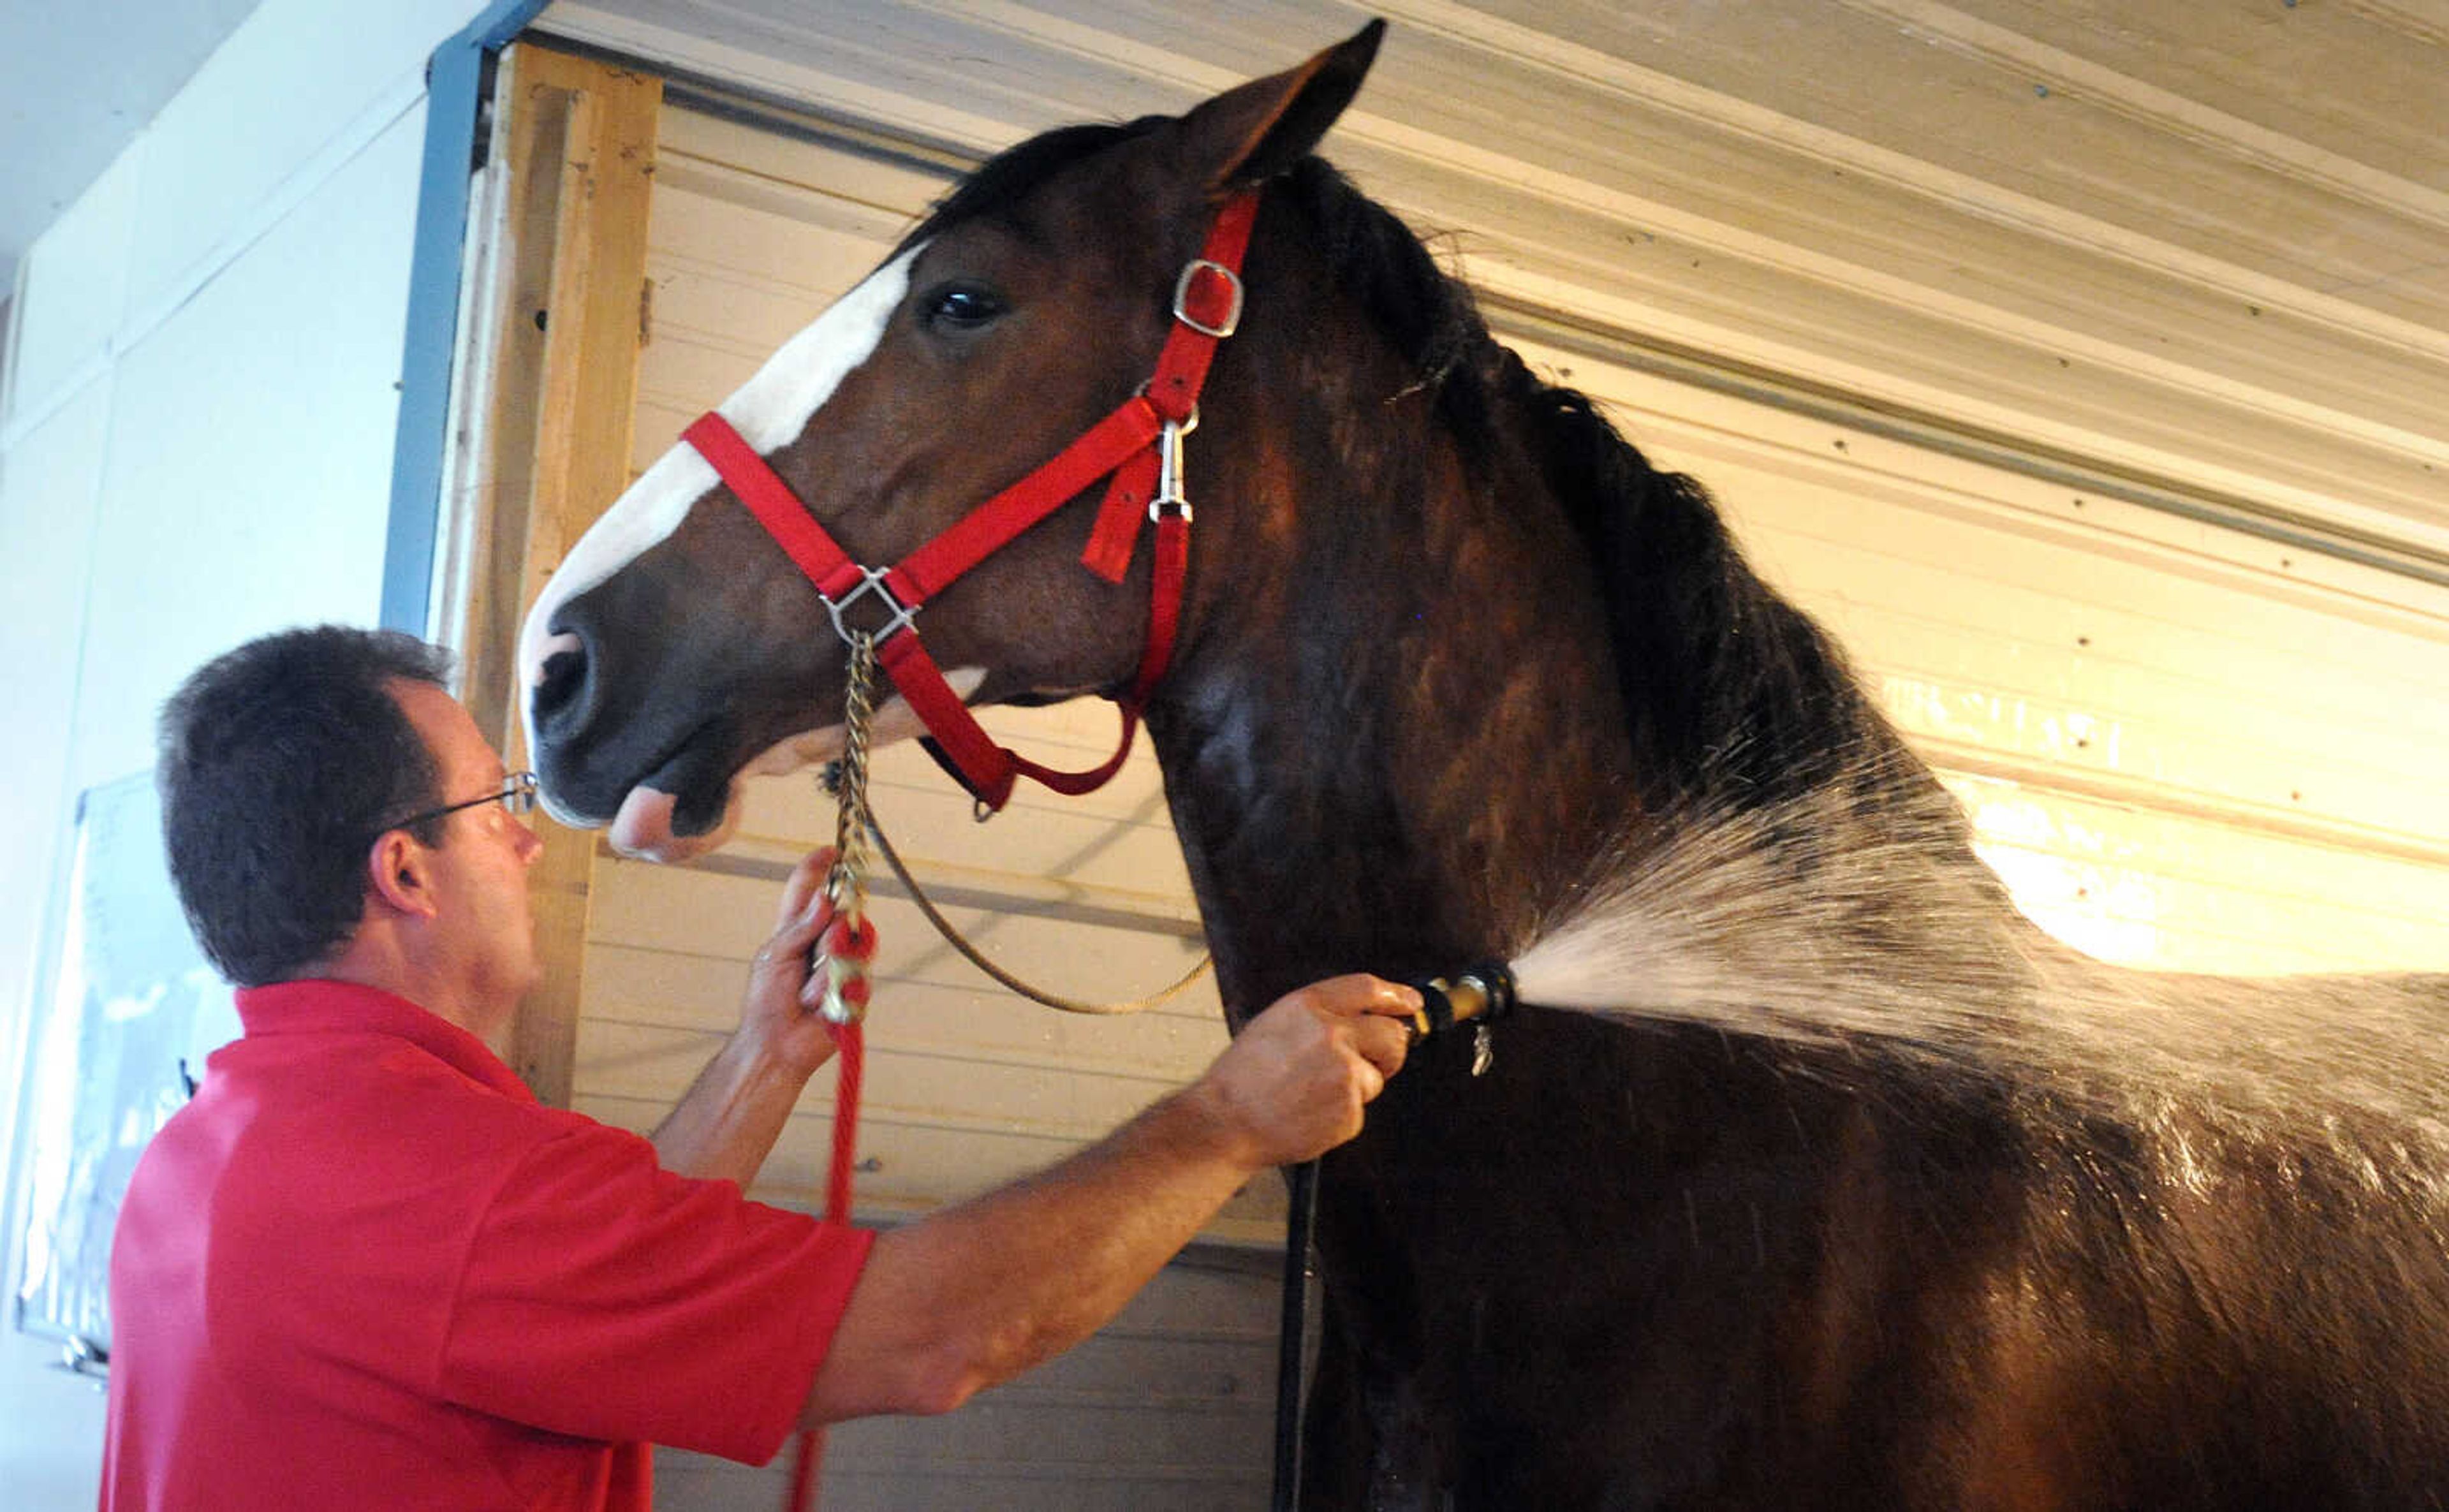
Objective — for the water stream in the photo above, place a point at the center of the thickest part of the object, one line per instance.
(1817, 924)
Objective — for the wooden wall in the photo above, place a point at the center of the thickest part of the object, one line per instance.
(2182, 746)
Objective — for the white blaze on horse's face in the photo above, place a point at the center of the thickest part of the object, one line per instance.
(769, 411)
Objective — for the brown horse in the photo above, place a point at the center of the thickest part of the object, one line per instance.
(1856, 1190)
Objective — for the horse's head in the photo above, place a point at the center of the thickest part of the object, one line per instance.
(678, 647)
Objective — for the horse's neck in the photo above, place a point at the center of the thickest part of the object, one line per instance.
(1397, 738)
(1394, 738)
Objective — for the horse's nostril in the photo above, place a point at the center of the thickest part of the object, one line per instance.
(559, 693)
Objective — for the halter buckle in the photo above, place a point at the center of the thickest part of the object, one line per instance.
(1224, 325)
(898, 616)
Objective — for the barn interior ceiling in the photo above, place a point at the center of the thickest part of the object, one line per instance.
(2196, 254)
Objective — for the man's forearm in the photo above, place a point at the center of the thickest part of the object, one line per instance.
(727, 1123)
(980, 1291)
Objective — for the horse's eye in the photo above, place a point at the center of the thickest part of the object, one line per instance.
(961, 307)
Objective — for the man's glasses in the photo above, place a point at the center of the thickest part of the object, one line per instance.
(518, 795)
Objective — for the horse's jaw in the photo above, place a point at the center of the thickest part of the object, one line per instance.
(644, 827)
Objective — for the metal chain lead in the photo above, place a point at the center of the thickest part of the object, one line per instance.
(846, 884)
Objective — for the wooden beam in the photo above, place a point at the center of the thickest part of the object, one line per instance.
(551, 433)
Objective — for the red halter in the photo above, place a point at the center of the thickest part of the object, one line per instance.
(1140, 443)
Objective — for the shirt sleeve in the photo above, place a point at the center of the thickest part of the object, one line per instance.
(605, 1297)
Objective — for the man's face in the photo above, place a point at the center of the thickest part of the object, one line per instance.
(484, 935)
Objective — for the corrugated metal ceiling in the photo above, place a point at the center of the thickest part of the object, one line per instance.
(2198, 253)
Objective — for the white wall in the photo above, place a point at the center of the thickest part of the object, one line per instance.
(196, 448)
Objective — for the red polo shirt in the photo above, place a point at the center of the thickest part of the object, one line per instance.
(365, 1268)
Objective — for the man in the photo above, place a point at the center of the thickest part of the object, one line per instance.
(363, 1267)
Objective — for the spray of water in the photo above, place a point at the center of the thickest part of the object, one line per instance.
(1854, 917)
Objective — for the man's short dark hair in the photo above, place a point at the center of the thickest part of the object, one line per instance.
(281, 761)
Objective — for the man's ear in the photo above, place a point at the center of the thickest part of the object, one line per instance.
(399, 875)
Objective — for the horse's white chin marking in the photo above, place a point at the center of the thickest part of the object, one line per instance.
(769, 410)
(643, 827)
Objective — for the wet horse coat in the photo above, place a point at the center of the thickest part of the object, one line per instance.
(1860, 1192)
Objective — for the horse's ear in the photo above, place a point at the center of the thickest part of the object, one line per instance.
(1252, 133)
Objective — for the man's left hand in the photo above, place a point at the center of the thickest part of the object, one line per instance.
(779, 1012)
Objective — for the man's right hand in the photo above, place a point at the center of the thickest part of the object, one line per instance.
(974, 1294)
(1292, 1083)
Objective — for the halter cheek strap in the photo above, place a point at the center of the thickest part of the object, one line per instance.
(1139, 444)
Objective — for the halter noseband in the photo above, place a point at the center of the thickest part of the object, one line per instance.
(1139, 443)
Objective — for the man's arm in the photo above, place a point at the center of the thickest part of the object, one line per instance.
(727, 1123)
(980, 1291)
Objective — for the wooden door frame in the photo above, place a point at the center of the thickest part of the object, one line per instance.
(554, 321)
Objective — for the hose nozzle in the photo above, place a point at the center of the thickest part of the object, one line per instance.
(1482, 994)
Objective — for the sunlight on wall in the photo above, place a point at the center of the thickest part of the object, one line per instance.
(2098, 906)
(2195, 893)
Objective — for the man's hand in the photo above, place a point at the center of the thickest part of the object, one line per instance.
(974, 1294)
(778, 1016)
(1292, 1083)
(732, 1114)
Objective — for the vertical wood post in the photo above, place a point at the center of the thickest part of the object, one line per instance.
(551, 437)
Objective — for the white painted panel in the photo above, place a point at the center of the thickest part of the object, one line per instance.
(50, 484)
(197, 448)
(291, 85)
(47, 488)
(250, 472)
(50, 1439)
(75, 283)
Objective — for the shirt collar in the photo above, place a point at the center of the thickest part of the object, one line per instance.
(320, 1005)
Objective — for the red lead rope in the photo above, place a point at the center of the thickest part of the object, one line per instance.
(1138, 443)
(850, 1041)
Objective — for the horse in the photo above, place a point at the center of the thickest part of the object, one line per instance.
(1810, 1173)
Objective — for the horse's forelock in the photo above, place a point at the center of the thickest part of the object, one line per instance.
(1010, 175)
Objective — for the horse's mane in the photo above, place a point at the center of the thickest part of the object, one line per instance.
(1734, 696)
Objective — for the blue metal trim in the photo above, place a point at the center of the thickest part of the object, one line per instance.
(452, 83)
